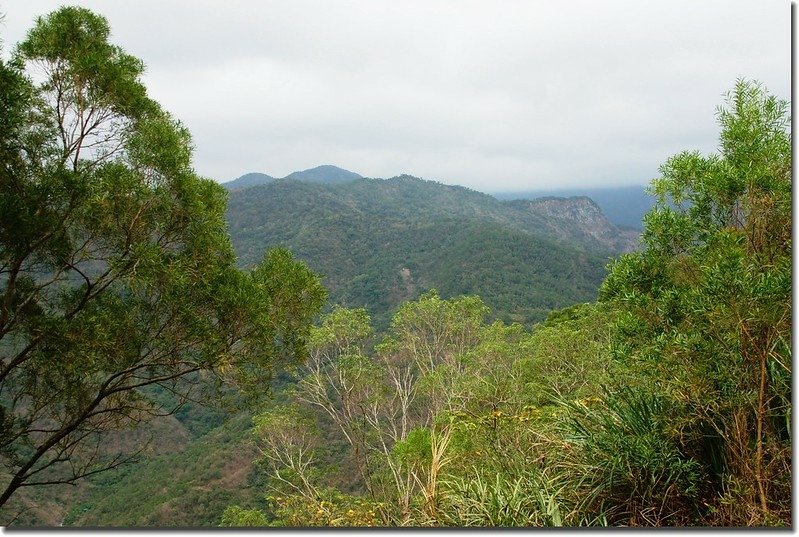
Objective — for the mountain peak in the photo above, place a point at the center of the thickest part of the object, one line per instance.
(326, 173)
(248, 179)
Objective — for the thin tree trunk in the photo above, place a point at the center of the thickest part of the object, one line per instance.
(761, 411)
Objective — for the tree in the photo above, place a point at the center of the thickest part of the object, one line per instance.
(386, 405)
(116, 270)
(706, 307)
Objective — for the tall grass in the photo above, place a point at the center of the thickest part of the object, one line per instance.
(531, 499)
(628, 468)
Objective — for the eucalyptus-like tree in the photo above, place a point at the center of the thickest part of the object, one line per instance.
(116, 269)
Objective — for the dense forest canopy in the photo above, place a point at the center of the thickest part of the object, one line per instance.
(379, 242)
(124, 314)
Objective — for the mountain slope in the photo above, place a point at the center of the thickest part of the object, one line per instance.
(578, 219)
(186, 487)
(624, 205)
(321, 174)
(379, 242)
(248, 179)
(324, 174)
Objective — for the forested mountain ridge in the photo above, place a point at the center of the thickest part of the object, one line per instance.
(321, 174)
(625, 206)
(578, 220)
(249, 179)
(380, 242)
(325, 173)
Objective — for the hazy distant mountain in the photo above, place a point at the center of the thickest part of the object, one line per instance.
(321, 174)
(324, 174)
(624, 205)
(378, 242)
(576, 219)
(248, 179)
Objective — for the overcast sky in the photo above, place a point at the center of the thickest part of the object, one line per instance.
(493, 95)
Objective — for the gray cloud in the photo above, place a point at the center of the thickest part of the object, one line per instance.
(493, 95)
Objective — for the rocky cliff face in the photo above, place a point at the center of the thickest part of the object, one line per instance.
(579, 218)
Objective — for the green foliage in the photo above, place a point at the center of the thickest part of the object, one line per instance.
(438, 418)
(414, 448)
(342, 330)
(330, 509)
(567, 356)
(431, 331)
(188, 484)
(667, 403)
(74, 41)
(116, 270)
(234, 516)
(290, 297)
(510, 502)
(631, 469)
(381, 242)
(706, 307)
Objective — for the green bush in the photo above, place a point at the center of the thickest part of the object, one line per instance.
(629, 468)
